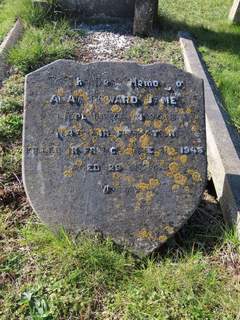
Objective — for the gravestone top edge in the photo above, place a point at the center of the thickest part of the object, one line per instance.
(107, 62)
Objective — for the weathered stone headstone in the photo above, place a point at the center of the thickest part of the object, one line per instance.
(234, 14)
(145, 16)
(100, 8)
(117, 148)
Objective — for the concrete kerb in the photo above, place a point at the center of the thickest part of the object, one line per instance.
(223, 157)
(10, 40)
(234, 14)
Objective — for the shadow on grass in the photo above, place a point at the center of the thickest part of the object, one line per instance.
(204, 231)
(219, 41)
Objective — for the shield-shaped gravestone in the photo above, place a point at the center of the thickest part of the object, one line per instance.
(117, 148)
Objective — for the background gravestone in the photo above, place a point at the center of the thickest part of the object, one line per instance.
(100, 8)
(144, 12)
(234, 14)
(145, 16)
(113, 147)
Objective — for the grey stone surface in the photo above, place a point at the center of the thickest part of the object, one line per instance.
(117, 148)
(100, 8)
(222, 142)
(144, 12)
(145, 16)
(234, 14)
(10, 40)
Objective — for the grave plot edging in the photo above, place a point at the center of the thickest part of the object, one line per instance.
(10, 40)
(223, 158)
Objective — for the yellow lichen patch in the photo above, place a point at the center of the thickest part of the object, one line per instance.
(187, 189)
(181, 111)
(105, 99)
(143, 156)
(133, 115)
(161, 163)
(145, 141)
(68, 172)
(157, 153)
(183, 159)
(147, 100)
(147, 123)
(144, 234)
(120, 144)
(98, 130)
(157, 124)
(129, 151)
(169, 229)
(88, 109)
(173, 167)
(93, 139)
(142, 186)
(63, 131)
(116, 176)
(77, 126)
(189, 110)
(162, 238)
(161, 106)
(116, 108)
(154, 183)
(60, 92)
(195, 128)
(180, 179)
(120, 127)
(170, 151)
(132, 140)
(175, 187)
(196, 176)
(143, 197)
(139, 198)
(129, 179)
(83, 136)
(149, 197)
(146, 186)
(139, 130)
(81, 93)
(169, 130)
(146, 163)
(78, 163)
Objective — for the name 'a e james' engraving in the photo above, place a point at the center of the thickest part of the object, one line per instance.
(119, 99)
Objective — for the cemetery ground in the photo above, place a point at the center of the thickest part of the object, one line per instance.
(196, 274)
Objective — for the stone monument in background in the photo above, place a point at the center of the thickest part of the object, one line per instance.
(143, 12)
(234, 14)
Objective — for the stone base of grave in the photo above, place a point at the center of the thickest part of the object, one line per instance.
(142, 12)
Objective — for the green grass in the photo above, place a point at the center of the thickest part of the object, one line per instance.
(46, 37)
(10, 10)
(11, 108)
(218, 41)
(150, 50)
(41, 46)
(47, 276)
